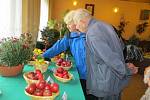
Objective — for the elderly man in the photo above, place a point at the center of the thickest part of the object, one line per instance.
(107, 73)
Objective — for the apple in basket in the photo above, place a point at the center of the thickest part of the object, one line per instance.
(66, 64)
(60, 60)
(31, 88)
(38, 92)
(47, 92)
(37, 75)
(54, 87)
(60, 72)
(42, 88)
(63, 63)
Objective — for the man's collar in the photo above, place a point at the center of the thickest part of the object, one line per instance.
(92, 20)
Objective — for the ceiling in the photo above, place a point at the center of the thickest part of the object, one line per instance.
(144, 1)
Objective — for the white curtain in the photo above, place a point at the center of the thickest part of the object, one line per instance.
(10, 18)
(43, 16)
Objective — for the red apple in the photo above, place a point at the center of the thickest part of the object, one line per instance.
(54, 87)
(35, 78)
(38, 92)
(37, 71)
(66, 76)
(47, 93)
(63, 64)
(47, 87)
(31, 88)
(41, 85)
(65, 72)
(60, 75)
(58, 63)
(68, 63)
(31, 75)
(40, 76)
(60, 60)
(60, 70)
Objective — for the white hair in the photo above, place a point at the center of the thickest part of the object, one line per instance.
(80, 14)
(69, 17)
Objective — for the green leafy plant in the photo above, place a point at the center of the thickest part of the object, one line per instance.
(49, 36)
(121, 27)
(15, 51)
(140, 28)
(52, 23)
(133, 40)
(54, 31)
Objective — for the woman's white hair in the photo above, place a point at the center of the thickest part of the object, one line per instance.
(69, 17)
(80, 14)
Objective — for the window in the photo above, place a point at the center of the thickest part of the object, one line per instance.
(43, 16)
(10, 18)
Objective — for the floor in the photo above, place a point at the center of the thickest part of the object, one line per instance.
(135, 89)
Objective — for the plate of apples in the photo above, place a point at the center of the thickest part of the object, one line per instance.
(33, 77)
(42, 90)
(65, 64)
(62, 75)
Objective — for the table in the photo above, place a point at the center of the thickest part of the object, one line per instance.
(13, 87)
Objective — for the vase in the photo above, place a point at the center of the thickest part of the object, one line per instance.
(11, 71)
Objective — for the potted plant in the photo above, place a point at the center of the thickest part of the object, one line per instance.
(54, 31)
(49, 36)
(14, 53)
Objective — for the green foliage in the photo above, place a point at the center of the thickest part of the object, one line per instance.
(121, 27)
(15, 51)
(134, 40)
(64, 30)
(52, 24)
(140, 28)
(54, 31)
(49, 36)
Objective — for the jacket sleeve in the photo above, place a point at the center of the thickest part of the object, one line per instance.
(57, 48)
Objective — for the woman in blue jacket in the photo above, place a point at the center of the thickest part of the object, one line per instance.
(76, 43)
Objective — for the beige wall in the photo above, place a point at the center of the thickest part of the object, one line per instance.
(104, 11)
(31, 17)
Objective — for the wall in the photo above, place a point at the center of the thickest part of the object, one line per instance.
(104, 11)
(50, 9)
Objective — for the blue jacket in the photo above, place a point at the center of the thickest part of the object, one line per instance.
(76, 43)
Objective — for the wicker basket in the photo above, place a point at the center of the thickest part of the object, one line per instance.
(33, 97)
(62, 79)
(42, 67)
(65, 68)
(29, 81)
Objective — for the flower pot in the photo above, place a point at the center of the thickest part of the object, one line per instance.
(11, 71)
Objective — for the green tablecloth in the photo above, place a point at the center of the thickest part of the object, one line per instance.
(13, 87)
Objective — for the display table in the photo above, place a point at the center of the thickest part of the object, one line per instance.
(13, 87)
